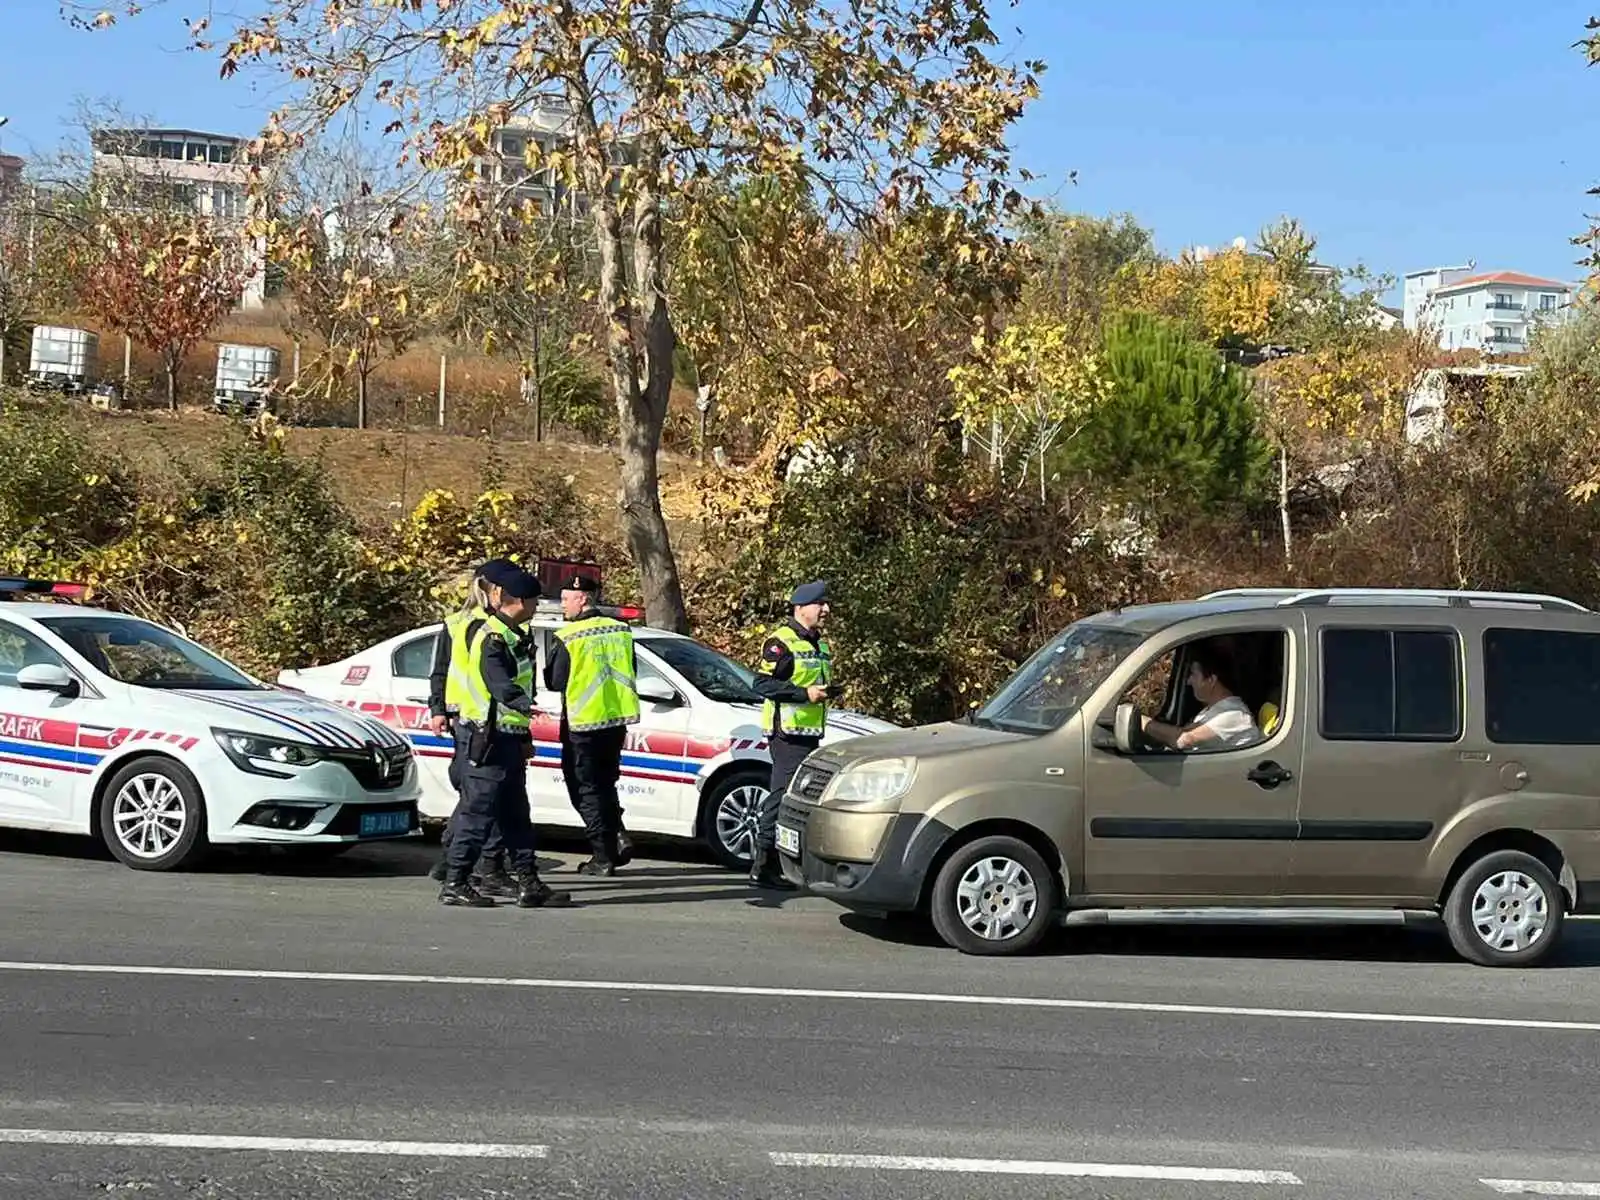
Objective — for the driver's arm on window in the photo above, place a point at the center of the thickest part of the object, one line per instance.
(1178, 738)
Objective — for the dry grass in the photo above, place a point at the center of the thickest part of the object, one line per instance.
(380, 474)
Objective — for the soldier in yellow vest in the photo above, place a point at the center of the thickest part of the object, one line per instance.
(795, 680)
(490, 876)
(490, 685)
(591, 663)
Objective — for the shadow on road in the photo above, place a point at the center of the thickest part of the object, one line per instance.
(1580, 947)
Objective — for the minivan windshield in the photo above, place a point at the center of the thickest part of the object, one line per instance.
(1053, 685)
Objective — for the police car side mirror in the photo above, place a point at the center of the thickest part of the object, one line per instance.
(658, 691)
(47, 677)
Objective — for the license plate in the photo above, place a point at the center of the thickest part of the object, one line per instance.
(789, 840)
(379, 824)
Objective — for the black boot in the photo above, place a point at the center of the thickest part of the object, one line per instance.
(440, 871)
(767, 874)
(496, 881)
(624, 854)
(602, 862)
(533, 892)
(459, 893)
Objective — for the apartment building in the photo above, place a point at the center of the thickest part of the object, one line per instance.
(1494, 313)
(205, 172)
(504, 173)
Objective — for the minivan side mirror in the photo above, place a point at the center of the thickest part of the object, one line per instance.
(1128, 729)
(47, 677)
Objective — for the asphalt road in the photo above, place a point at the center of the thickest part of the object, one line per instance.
(677, 1035)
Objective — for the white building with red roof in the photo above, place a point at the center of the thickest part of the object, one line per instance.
(1495, 312)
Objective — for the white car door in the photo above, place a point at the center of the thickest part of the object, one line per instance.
(401, 679)
(42, 769)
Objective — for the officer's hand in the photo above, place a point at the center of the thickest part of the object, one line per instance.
(439, 725)
(817, 694)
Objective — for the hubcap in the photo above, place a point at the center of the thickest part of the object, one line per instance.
(149, 815)
(737, 818)
(1510, 911)
(997, 898)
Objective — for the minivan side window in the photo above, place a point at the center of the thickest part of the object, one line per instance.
(1541, 687)
(1390, 685)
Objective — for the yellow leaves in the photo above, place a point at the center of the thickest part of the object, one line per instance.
(1231, 294)
(1033, 371)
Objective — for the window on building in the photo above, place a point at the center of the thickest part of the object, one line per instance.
(1541, 687)
(1388, 685)
(1547, 303)
(1502, 300)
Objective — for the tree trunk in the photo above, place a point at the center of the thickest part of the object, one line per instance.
(640, 375)
(172, 381)
(1283, 507)
(361, 397)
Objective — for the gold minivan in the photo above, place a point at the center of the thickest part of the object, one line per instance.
(1270, 755)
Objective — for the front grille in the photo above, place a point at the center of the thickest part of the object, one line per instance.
(793, 816)
(376, 768)
(812, 780)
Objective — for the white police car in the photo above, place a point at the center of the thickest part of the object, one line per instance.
(694, 767)
(122, 729)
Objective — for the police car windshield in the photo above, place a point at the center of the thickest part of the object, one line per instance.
(139, 653)
(716, 676)
(1052, 686)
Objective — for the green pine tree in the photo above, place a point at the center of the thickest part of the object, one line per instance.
(1177, 436)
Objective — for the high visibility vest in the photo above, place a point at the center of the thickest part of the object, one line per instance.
(600, 685)
(813, 667)
(459, 682)
(474, 702)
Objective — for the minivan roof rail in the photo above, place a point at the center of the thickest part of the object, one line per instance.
(1305, 597)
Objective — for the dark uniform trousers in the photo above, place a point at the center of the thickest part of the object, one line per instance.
(591, 765)
(494, 845)
(787, 755)
(493, 794)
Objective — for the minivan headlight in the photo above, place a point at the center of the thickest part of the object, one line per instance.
(873, 785)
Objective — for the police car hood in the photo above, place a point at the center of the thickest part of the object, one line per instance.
(289, 715)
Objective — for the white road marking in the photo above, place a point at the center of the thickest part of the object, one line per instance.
(1536, 1187)
(781, 993)
(278, 1145)
(1000, 1166)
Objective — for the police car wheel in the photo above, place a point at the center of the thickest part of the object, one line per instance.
(728, 816)
(153, 817)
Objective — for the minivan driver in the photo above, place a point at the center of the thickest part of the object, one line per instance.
(1224, 723)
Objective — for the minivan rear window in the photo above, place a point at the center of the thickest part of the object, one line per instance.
(1390, 685)
(1541, 687)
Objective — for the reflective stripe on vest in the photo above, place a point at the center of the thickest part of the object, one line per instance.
(813, 667)
(600, 685)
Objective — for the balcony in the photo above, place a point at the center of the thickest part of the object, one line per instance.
(1505, 306)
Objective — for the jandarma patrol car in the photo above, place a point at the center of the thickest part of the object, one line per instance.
(695, 766)
(119, 728)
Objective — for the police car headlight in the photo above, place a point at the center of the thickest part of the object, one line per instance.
(876, 785)
(260, 755)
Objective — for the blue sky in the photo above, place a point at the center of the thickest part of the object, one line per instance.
(1403, 133)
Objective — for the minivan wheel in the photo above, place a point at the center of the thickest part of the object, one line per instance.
(1506, 910)
(994, 896)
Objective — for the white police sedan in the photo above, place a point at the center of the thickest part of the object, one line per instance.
(121, 729)
(695, 766)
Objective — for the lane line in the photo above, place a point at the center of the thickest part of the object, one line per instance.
(278, 1145)
(1537, 1187)
(999, 1166)
(1045, 1003)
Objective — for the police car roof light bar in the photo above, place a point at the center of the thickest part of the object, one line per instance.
(11, 587)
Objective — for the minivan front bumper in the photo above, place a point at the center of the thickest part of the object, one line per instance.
(865, 862)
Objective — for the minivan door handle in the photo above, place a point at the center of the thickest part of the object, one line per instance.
(1269, 774)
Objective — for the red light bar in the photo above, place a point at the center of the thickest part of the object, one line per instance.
(11, 587)
(628, 612)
